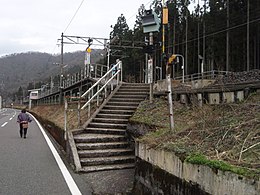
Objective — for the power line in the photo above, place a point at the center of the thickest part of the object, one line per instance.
(219, 32)
(74, 16)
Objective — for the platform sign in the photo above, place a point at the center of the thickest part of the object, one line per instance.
(87, 56)
(150, 71)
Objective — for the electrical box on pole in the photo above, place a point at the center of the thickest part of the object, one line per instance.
(150, 21)
(165, 15)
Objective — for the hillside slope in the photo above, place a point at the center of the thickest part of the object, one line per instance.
(227, 132)
(32, 67)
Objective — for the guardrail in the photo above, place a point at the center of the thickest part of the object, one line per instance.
(100, 88)
(213, 74)
(91, 71)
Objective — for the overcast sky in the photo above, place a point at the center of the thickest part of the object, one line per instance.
(35, 25)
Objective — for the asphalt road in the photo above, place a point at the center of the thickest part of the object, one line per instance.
(33, 165)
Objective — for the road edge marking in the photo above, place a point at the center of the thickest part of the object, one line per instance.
(4, 124)
(66, 174)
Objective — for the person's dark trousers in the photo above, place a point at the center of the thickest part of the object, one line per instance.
(23, 131)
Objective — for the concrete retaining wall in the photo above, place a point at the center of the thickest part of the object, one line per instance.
(211, 181)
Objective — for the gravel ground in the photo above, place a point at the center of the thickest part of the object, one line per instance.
(239, 77)
(114, 182)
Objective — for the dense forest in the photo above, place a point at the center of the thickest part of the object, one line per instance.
(221, 34)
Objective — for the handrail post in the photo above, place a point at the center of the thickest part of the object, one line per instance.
(97, 95)
(103, 88)
(95, 76)
(88, 105)
(65, 117)
(121, 70)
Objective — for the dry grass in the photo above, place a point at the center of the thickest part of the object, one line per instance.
(55, 114)
(229, 132)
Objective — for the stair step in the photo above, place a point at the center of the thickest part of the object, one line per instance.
(107, 160)
(113, 107)
(135, 85)
(140, 93)
(118, 116)
(125, 103)
(116, 99)
(105, 152)
(134, 90)
(103, 145)
(107, 125)
(110, 120)
(87, 169)
(132, 96)
(109, 111)
(93, 138)
(105, 131)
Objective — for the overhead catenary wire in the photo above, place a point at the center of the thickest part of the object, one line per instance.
(68, 26)
(74, 16)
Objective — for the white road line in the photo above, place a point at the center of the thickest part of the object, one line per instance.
(4, 124)
(10, 118)
(69, 180)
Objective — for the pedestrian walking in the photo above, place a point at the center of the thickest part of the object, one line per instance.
(23, 119)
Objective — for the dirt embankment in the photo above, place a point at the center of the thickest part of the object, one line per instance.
(56, 114)
(228, 132)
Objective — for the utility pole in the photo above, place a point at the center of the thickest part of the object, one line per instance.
(186, 37)
(204, 37)
(227, 43)
(168, 72)
(151, 23)
(61, 72)
(198, 37)
(0, 102)
(247, 42)
(61, 48)
(150, 69)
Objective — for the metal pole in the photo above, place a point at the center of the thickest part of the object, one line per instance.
(108, 56)
(163, 34)
(79, 113)
(65, 118)
(186, 37)
(1, 102)
(151, 69)
(183, 67)
(198, 37)
(61, 64)
(227, 41)
(169, 83)
(204, 35)
(247, 42)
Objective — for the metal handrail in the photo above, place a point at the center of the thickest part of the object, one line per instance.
(108, 78)
(98, 71)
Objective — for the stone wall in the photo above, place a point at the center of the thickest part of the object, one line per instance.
(201, 178)
(150, 179)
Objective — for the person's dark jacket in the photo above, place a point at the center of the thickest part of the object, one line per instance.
(23, 117)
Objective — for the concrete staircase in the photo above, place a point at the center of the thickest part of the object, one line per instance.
(103, 144)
